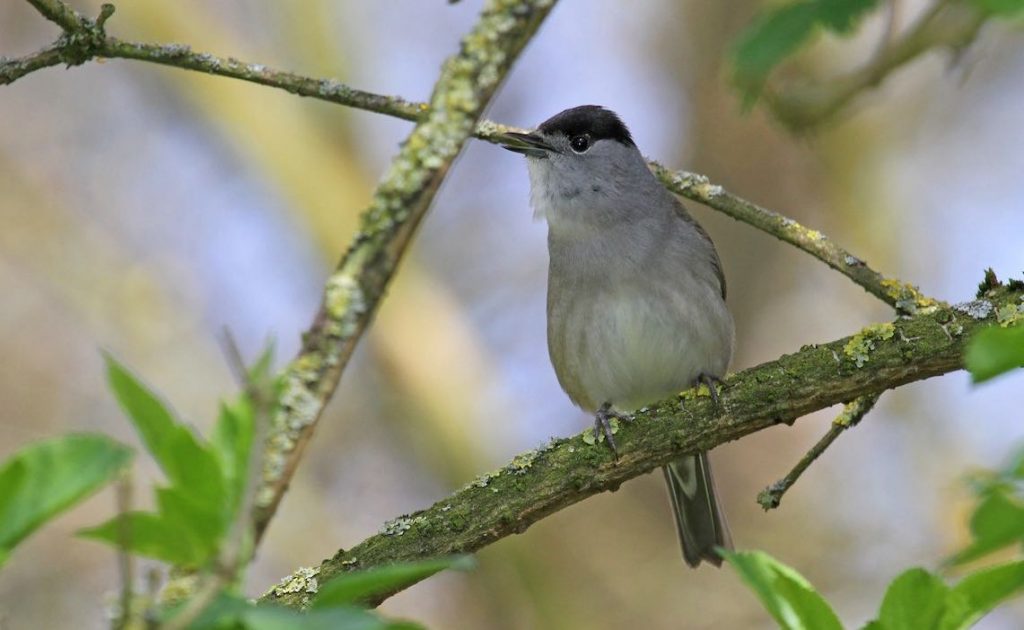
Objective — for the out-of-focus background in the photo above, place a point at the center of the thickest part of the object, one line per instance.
(143, 209)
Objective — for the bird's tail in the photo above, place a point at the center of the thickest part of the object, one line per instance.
(700, 521)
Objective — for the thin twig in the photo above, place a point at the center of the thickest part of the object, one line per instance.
(13, 69)
(852, 413)
(262, 396)
(125, 561)
(60, 14)
(890, 28)
(904, 297)
(946, 24)
(234, 554)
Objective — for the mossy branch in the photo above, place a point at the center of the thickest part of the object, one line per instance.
(538, 483)
(353, 291)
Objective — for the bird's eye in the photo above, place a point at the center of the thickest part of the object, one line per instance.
(580, 143)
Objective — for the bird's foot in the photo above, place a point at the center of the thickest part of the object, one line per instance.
(603, 424)
(711, 382)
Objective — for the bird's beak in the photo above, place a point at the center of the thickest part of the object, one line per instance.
(529, 144)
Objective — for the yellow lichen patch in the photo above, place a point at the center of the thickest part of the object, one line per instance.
(859, 347)
(179, 588)
(693, 393)
(1009, 314)
(809, 234)
(304, 580)
(523, 462)
(908, 297)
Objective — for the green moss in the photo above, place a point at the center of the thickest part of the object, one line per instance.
(859, 347)
(989, 283)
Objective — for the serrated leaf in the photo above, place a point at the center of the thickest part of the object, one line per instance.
(43, 479)
(200, 501)
(149, 535)
(915, 599)
(997, 523)
(185, 461)
(788, 597)
(359, 586)
(982, 591)
(993, 351)
(779, 32)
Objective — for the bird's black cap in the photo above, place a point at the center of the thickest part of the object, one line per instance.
(599, 123)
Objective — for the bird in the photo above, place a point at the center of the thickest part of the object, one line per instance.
(636, 307)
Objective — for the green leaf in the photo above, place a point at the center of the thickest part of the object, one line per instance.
(358, 586)
(229, 611)
(997, 522)
(915, 599)
(982, 591)
(791, 600)
(1001, 8)
(149, 535)
(201, 500)
(993, 351)
(231, 442)
(779, 32)
(341, 618)
(43, 479)
(181, 456)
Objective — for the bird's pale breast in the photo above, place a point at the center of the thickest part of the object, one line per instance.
(637, 340)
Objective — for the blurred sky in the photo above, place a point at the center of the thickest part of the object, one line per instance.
(143, 209)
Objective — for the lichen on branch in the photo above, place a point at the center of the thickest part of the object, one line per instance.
(467, 82)
(566, 471)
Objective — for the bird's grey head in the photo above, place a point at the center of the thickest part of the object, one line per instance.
(584, 167)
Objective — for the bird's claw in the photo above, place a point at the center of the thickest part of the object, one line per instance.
(603, 424)
(711, 381)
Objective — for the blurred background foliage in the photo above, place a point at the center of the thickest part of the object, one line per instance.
(144, 208)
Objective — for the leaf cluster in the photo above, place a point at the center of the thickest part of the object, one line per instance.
(917, 598)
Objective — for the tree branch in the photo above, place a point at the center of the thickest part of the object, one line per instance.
(902, 296)
(61, 14)
(947, 24)
(13, 69)
(354, 290)
(352, 293)
(853, 412)
(538, 483)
